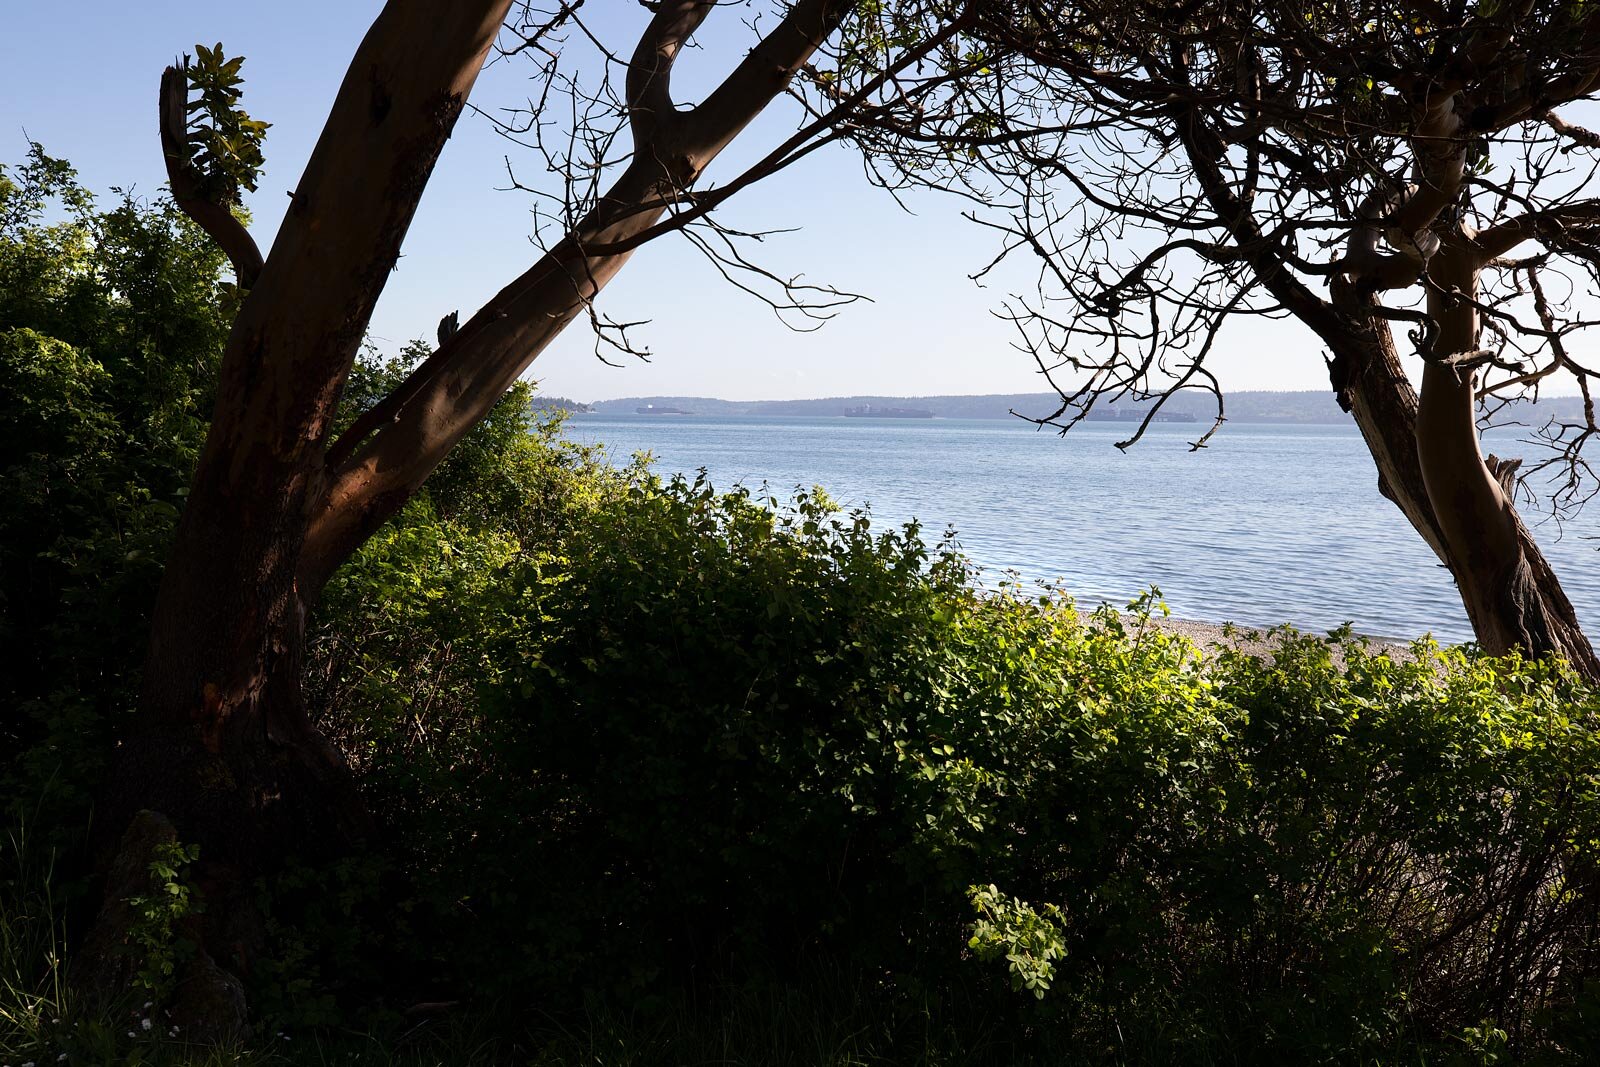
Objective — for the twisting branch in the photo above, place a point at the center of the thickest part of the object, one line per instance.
(649, 85)
(210, 211)
(388, 452)
(1572, 131)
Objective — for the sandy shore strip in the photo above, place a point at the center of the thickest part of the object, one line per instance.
(1253, 640)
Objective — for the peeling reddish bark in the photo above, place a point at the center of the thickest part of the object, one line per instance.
(222, 749)
(222, 746)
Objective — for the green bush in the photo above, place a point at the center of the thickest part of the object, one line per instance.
(710, 735)
(111, 325)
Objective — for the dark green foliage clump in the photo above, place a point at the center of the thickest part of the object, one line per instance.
(111, 326)
(715, 738)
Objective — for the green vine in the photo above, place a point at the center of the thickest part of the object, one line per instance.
(158, 914)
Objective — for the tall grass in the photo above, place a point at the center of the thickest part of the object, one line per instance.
(33, 989)
(832, 1020)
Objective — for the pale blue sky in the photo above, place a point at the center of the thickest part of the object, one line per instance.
(81, 79)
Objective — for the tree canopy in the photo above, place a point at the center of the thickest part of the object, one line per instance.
(1172, 168)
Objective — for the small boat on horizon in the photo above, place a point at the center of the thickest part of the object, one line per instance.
(1116, 414)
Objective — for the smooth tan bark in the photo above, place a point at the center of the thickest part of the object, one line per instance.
(1426, 450)
(1513, 599)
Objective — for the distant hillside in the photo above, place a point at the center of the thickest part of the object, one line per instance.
(560, 403)
(1312, 406)
(1555, 407)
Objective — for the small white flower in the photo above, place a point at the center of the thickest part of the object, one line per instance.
(144, 1024)
(132, 1034)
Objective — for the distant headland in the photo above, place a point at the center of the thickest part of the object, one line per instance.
(1311, 406)
(560, 403)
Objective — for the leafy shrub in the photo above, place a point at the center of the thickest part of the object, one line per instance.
(157, 915)
(710, 735)
(111, 324)
(1008, 929)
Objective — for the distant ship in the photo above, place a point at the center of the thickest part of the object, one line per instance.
(868, 411)
(1129, 415)
(651, 409)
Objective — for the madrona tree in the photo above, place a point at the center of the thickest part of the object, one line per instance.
(222, 753)
(1174, 166)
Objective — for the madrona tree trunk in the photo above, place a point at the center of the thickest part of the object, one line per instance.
(222, 754)
(1511, 595)
(1426, 451)
(222, 747)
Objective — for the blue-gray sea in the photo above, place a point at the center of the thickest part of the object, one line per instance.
(1270, 524)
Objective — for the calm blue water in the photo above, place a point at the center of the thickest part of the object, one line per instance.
(1271, 524)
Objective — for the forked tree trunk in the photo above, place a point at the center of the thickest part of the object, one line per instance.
(221, 750)
(224, 746)
(1511, 595)
(1428, 459)
(222, 754)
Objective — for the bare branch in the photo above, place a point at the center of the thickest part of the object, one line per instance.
(381, 460)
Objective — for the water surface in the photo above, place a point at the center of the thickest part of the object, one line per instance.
(1270, 524)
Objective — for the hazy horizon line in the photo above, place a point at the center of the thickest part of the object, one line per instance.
(898, 396)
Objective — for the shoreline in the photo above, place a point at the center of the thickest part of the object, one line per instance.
(1252, 640)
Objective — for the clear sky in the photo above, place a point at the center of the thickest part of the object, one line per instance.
(81, 79)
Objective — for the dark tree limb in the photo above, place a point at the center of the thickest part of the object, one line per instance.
(212, 215)
(389, 452)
